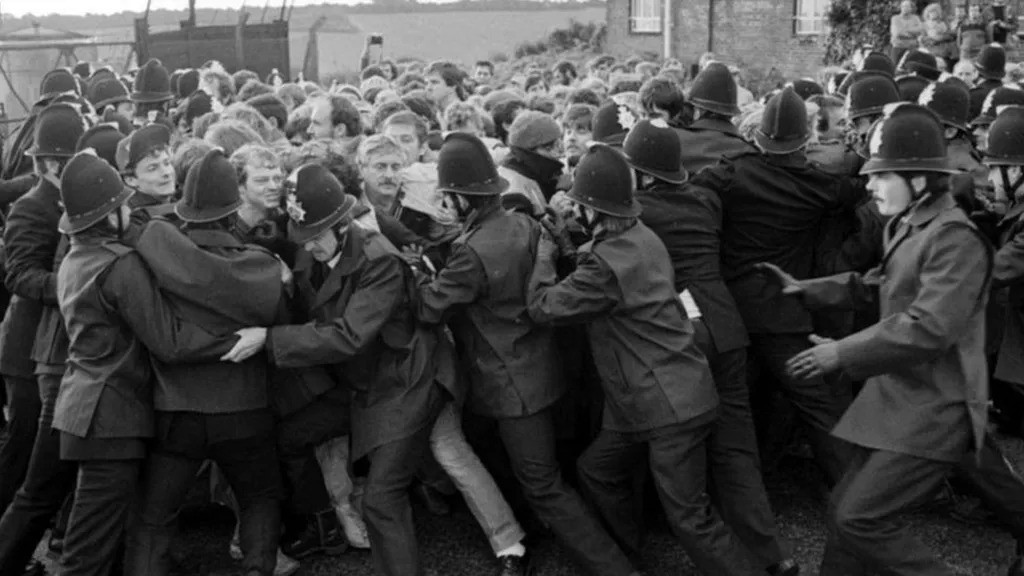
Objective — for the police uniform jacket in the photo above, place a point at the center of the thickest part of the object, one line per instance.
(980, 92)
(222, 285)
(291, 389)
(362, 327)
(512, 364)
(688, 220)
(773, 209)
(1008, 275)
(651, 369)
(927, 388)
(116, 317)
(706, 141)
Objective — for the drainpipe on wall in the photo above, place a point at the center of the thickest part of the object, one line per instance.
(666, 29)
(711, 25)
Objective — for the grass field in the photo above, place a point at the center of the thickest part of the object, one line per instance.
(460, 36)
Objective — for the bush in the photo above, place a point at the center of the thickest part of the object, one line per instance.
(854, 23)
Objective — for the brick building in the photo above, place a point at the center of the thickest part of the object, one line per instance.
(759, 35)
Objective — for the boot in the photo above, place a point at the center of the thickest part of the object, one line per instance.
(323, 534)
(355, 527)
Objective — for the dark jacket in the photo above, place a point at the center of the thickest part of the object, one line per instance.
(688, 220)
(651, 369)
(115, 313)
(927, 388)
(980, 92)
(1008, 276)
(31, 242)
(204, 272)
(707, 141)
(512, 364)
(291, 389)
(145, 207)
(773, 208)
(364, 331)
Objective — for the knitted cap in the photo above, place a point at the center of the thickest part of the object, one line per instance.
(531, 129)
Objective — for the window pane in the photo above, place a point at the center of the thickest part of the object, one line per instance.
(645, 16)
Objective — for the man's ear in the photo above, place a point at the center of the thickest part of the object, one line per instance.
(918, 183)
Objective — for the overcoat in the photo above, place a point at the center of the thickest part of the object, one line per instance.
(1008, 275)
(116, 317)
(362, 328)
(512, 364)
(707, 141)
(688, 220)
(927, 379)
(651, 369)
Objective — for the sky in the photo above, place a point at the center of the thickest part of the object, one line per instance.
(42, 7)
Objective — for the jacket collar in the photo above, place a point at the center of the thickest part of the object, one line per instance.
(715, 124)
(351, 256)
(916, 216)
(478, 217)
(208, 238)
(796, 159)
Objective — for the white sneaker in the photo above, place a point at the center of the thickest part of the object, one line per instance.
(354, 526)
(285, 566)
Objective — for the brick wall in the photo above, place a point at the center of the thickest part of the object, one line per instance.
(755, 34)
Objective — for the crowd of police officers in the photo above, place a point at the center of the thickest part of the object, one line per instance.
(684, 278)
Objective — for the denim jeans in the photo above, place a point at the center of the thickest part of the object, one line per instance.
(481, 493)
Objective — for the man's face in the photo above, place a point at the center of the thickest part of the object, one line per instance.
(406, 137)
(382, 175)
(124, 109)
(966, 72)
(575, 139)
(154, 175)
(323, 247)
(482, 75)
(890, 191)
(262, 187)
(437, 88)
(974, 11)
(320, 127)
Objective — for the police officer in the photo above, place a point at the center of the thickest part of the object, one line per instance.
(923, 407)
(997, 98)
(513, 366)
(773, 205)
(355, 284)
(116, 318)
(991, 65)
(688, 220)
(951, 102)
(211, 410)
(151, 93)
(660, 401)
(31, 243)
(712, 134)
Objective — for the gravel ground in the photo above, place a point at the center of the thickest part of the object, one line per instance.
(454, 546)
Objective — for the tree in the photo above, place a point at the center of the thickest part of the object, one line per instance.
(854, 23)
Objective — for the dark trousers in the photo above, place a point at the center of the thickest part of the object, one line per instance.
(677, 458)
(864, 534)
(249, 462)
(734, 466)
(386, 506)
(819, 402)
(103, 501)
(298, 435)
(48, 481)
(530, 443)
(996, 482)
(23, 406)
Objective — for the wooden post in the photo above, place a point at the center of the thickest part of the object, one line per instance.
(243, 16)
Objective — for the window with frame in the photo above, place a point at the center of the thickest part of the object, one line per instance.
(645, 16)
(809, 17)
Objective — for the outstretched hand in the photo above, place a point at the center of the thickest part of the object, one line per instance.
(250, 341)
(820, 360)
(780, 277)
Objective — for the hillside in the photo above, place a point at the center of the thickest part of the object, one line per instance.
(461, 35)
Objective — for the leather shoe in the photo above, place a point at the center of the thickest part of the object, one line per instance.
(432, 500)
(322, 534)
(787, 567)
(515, 565)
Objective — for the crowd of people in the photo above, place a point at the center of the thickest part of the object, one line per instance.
(542, 291)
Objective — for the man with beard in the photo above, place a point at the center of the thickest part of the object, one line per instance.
(355, 284)
(144, 160)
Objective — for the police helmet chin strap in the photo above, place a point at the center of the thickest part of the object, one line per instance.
(1011, 188)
